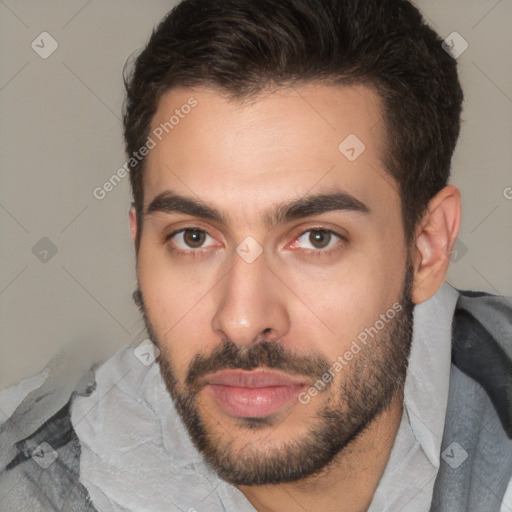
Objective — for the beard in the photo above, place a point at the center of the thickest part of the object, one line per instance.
(367, 386)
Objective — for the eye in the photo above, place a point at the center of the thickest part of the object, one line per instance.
(318, 240)
(190, 238)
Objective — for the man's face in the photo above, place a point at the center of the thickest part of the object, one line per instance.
(298, 262)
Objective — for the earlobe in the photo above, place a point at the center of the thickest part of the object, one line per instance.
(133, 222)
(435, 238)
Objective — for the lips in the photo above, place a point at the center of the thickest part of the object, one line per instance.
(252, 394)
(253, 379)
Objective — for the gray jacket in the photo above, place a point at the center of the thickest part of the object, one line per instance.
(479, 417)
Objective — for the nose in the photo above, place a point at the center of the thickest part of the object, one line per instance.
(250, 304)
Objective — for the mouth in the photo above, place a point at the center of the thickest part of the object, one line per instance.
(253, 394)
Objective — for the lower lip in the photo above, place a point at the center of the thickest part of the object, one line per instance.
(252, 402)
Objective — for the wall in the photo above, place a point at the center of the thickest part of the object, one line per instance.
(67, 269)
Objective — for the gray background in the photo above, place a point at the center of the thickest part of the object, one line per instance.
(61, 138)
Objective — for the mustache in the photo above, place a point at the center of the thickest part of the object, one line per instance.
(267, 353)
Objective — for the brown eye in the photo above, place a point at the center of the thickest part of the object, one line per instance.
(320, 239)
(194, 238)
(191, 242)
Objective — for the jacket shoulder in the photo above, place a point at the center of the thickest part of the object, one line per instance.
(482, 347)
(43, 471)
(476, 451)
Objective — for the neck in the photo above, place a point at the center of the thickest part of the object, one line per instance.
(350, 481)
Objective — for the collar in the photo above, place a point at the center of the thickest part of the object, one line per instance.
(428, 375)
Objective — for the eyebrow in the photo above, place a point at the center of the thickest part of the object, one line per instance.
(170, 202)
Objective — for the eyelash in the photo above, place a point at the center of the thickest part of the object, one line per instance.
(197, 253)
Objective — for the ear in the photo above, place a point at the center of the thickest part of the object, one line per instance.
(435, 238)
(133, 222)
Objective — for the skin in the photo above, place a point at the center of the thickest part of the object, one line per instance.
(274, 149)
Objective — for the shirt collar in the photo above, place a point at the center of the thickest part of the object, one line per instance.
(428, 375)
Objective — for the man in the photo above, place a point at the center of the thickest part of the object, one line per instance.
(293, 224)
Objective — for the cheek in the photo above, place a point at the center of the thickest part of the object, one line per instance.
(339, 303)
(170, 290)
(176, 303)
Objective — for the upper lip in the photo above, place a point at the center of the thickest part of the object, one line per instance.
(253, 379)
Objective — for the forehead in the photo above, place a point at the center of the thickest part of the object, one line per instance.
(244, 156)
